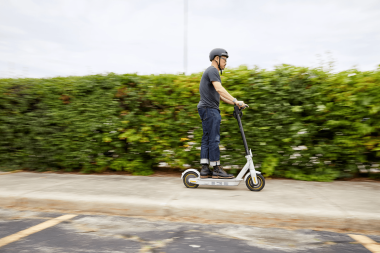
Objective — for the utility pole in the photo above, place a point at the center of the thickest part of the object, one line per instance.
(185, 38)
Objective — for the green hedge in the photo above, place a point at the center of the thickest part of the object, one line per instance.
(302, 123)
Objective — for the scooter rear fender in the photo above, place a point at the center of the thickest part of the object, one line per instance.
(188, 170)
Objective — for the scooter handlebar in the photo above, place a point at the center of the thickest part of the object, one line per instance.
(240, 108)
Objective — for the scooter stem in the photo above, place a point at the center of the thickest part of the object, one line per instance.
(237, 113)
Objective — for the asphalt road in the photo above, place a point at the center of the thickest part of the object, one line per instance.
(101, 233)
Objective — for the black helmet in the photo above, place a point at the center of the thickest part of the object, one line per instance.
(218, 52)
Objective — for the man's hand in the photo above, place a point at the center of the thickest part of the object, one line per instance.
(242, 104)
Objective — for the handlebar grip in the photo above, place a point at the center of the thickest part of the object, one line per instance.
(241, 108)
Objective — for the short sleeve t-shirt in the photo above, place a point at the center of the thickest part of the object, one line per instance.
(209, 96)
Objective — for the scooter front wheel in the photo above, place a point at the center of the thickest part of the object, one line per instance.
(255, 187)
(187, 177)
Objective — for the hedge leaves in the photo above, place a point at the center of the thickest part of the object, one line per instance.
(302, 123)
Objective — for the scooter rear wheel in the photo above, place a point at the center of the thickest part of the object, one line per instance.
(187, 177)
(255, 187)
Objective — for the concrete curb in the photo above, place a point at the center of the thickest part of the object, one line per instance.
(287, 204)
(151, 209)
(10, 172)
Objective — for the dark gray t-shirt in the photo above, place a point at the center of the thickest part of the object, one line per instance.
(209, 96)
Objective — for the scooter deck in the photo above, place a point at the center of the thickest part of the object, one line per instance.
(214, 181)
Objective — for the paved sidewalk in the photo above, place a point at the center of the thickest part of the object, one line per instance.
(345, 206)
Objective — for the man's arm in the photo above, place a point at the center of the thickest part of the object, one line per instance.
(226, 100)
(223, 92)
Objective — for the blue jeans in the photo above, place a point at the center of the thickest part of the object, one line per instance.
(211, 119)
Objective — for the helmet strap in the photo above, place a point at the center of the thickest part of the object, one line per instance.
(221, 71)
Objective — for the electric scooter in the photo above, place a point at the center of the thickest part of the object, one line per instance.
(253, 179)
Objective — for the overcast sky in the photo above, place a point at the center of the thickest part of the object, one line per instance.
(59, 38)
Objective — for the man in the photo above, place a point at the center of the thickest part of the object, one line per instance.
(212, 91)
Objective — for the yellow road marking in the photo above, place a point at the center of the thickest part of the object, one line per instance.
(12, 238)
(370, 244)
